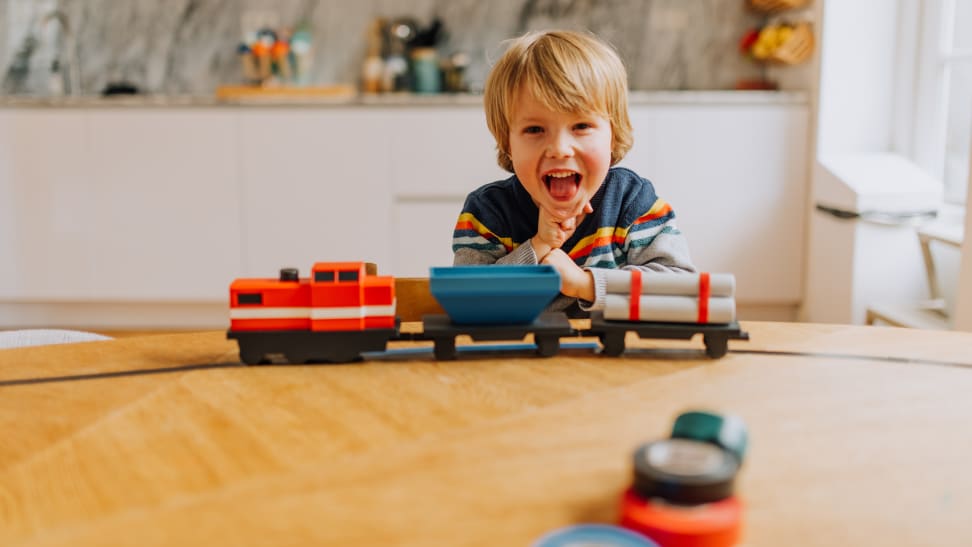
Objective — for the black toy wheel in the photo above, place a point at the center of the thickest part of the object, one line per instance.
(334, 356)
(293, 357)
(613, 343)
(715, 346)
(547, 346)
(445, 349)
(252, 357)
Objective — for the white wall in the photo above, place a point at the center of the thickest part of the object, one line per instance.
(852, 264)
(857, 75)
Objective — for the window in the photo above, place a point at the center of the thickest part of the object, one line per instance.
(249, 298)
(942, 120)
(328, 276)
(958, 129)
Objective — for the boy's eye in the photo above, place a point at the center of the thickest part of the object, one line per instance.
(582, 126)
(533, 129)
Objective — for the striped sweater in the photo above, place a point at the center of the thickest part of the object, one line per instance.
(629, 228)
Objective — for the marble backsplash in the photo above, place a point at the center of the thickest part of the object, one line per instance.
(189, 46)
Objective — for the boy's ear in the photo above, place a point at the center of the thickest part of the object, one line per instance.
(504, 160)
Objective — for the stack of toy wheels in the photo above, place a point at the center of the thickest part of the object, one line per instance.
(683, 494)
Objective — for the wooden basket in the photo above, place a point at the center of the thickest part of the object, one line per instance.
(797, 48)
(773, 6)
(255, 93)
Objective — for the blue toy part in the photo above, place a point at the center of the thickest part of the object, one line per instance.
(724, 430)
(584, 535)
(494, 295)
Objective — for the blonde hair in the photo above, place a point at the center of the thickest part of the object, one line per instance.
(566, 71)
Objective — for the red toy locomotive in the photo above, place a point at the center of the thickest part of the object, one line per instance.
(331, 316)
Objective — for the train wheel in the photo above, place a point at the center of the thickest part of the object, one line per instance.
(613, 343)
(332, 355)
(547, 346)
(252, 357)
(445, 349)
(715, 346)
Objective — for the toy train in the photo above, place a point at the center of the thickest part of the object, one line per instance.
(341, 311)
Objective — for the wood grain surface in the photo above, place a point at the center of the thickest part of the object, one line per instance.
(859, 436)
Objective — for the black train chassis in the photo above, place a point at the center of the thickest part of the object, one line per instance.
(305, 346)
(612, 333)
(259, 347)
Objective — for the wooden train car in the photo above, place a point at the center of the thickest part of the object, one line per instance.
(332, 316)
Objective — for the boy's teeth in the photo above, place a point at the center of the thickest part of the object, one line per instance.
(561, 175)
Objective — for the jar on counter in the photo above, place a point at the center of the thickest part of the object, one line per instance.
(371, 74)
(395, 74)
(426, 76)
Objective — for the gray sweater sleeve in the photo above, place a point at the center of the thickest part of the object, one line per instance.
(523, 254)
(668, 252)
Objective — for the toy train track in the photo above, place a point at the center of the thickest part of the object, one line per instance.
(341, 312)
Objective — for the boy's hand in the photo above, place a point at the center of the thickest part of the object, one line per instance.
(574, 280)
(553, 231)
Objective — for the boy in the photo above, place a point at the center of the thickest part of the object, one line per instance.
(556, 103)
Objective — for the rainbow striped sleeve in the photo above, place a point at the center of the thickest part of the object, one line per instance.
(656, 221)
(597, 249)
(470, 233)
(605, 247)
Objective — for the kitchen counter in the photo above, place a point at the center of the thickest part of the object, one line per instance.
(390, 99)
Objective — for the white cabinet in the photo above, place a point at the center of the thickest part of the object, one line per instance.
(437, 156)
(423, 234)
(315, 185)
(381, 184)
(164, 203)
(736, 176)
(446, 151)
(152, 206)
(44, 232)
(114, 205)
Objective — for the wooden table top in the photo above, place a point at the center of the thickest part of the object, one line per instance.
(859, 436)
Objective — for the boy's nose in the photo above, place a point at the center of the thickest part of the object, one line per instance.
(560, 146)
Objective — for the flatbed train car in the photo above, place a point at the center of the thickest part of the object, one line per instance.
(341, 311)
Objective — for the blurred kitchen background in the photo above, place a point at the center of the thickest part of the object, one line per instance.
(816, 149)
(191, 47)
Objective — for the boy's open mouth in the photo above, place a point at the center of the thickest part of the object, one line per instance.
(562, 185)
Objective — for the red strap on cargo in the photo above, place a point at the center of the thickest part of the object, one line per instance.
(634, 296)
(704, 291)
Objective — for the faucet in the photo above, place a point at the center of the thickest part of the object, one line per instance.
(73, 78)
